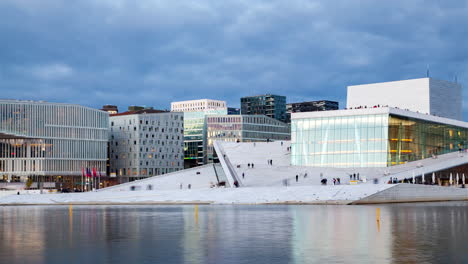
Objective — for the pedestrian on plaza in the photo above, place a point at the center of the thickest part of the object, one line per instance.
(181, 186)
(324, 181)
(297, 177)
(252, 165)
(236, 184)
(350, 177)
(338, 180)
(271, 162)
(190, 186)
(243, 175)
(281, 143)
(305, 175)
(248, 165)
(334, 181)
(358, 177)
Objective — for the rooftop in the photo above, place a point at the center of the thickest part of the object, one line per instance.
(380, 110)
(139, 112)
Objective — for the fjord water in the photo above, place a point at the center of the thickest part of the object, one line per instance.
(406, 233)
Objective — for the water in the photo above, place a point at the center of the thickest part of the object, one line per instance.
(407, 233)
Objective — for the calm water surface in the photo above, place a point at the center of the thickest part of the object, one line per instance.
(407, 233)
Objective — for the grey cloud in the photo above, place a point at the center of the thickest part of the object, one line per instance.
(152, 52)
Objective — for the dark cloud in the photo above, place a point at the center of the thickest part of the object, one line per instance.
(153, 52)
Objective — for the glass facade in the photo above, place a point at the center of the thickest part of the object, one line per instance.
(195, 136)
(373, 140)
(39, 138)
(273, 106)
(413, 139)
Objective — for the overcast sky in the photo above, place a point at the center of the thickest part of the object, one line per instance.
(151, 52)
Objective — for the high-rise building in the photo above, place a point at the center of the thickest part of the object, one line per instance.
(425, 95)
(51, 143)
(243, 128)
(145, 143)
(273, 106)
(195, 112)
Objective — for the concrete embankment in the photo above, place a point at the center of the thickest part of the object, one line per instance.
(340, 194)
(405, 193)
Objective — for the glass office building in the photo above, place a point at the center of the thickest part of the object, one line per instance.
(273, 106)
(51, 142)
(379, 137)
(195, 136)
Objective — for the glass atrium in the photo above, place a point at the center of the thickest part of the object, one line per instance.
(373, 140)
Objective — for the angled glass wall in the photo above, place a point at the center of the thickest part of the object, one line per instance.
(374, 140)
(343, 141)
(414, 139)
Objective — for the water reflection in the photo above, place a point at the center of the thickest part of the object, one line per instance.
(234, 234)
(435, 233)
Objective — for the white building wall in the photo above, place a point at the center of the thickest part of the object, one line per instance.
(408, 94)
(197, 105)
(446, 99)
(424, 95)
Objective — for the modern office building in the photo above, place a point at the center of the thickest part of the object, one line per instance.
(312, 106)
(195, 112)
(197, 105)
(243, 128)
(145, 143)
(51, 143)
(195, 136)
(273, 106)
(425, 95)
(371, 134)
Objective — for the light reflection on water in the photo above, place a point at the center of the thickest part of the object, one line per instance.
(408, 233)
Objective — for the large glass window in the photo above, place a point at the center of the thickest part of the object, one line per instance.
(413, 139)
(371, 140)
(342, 141)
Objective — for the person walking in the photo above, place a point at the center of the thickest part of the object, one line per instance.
(248, 165)
(252, 165)
(189, 186)
(243, 175)
(297, 178)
